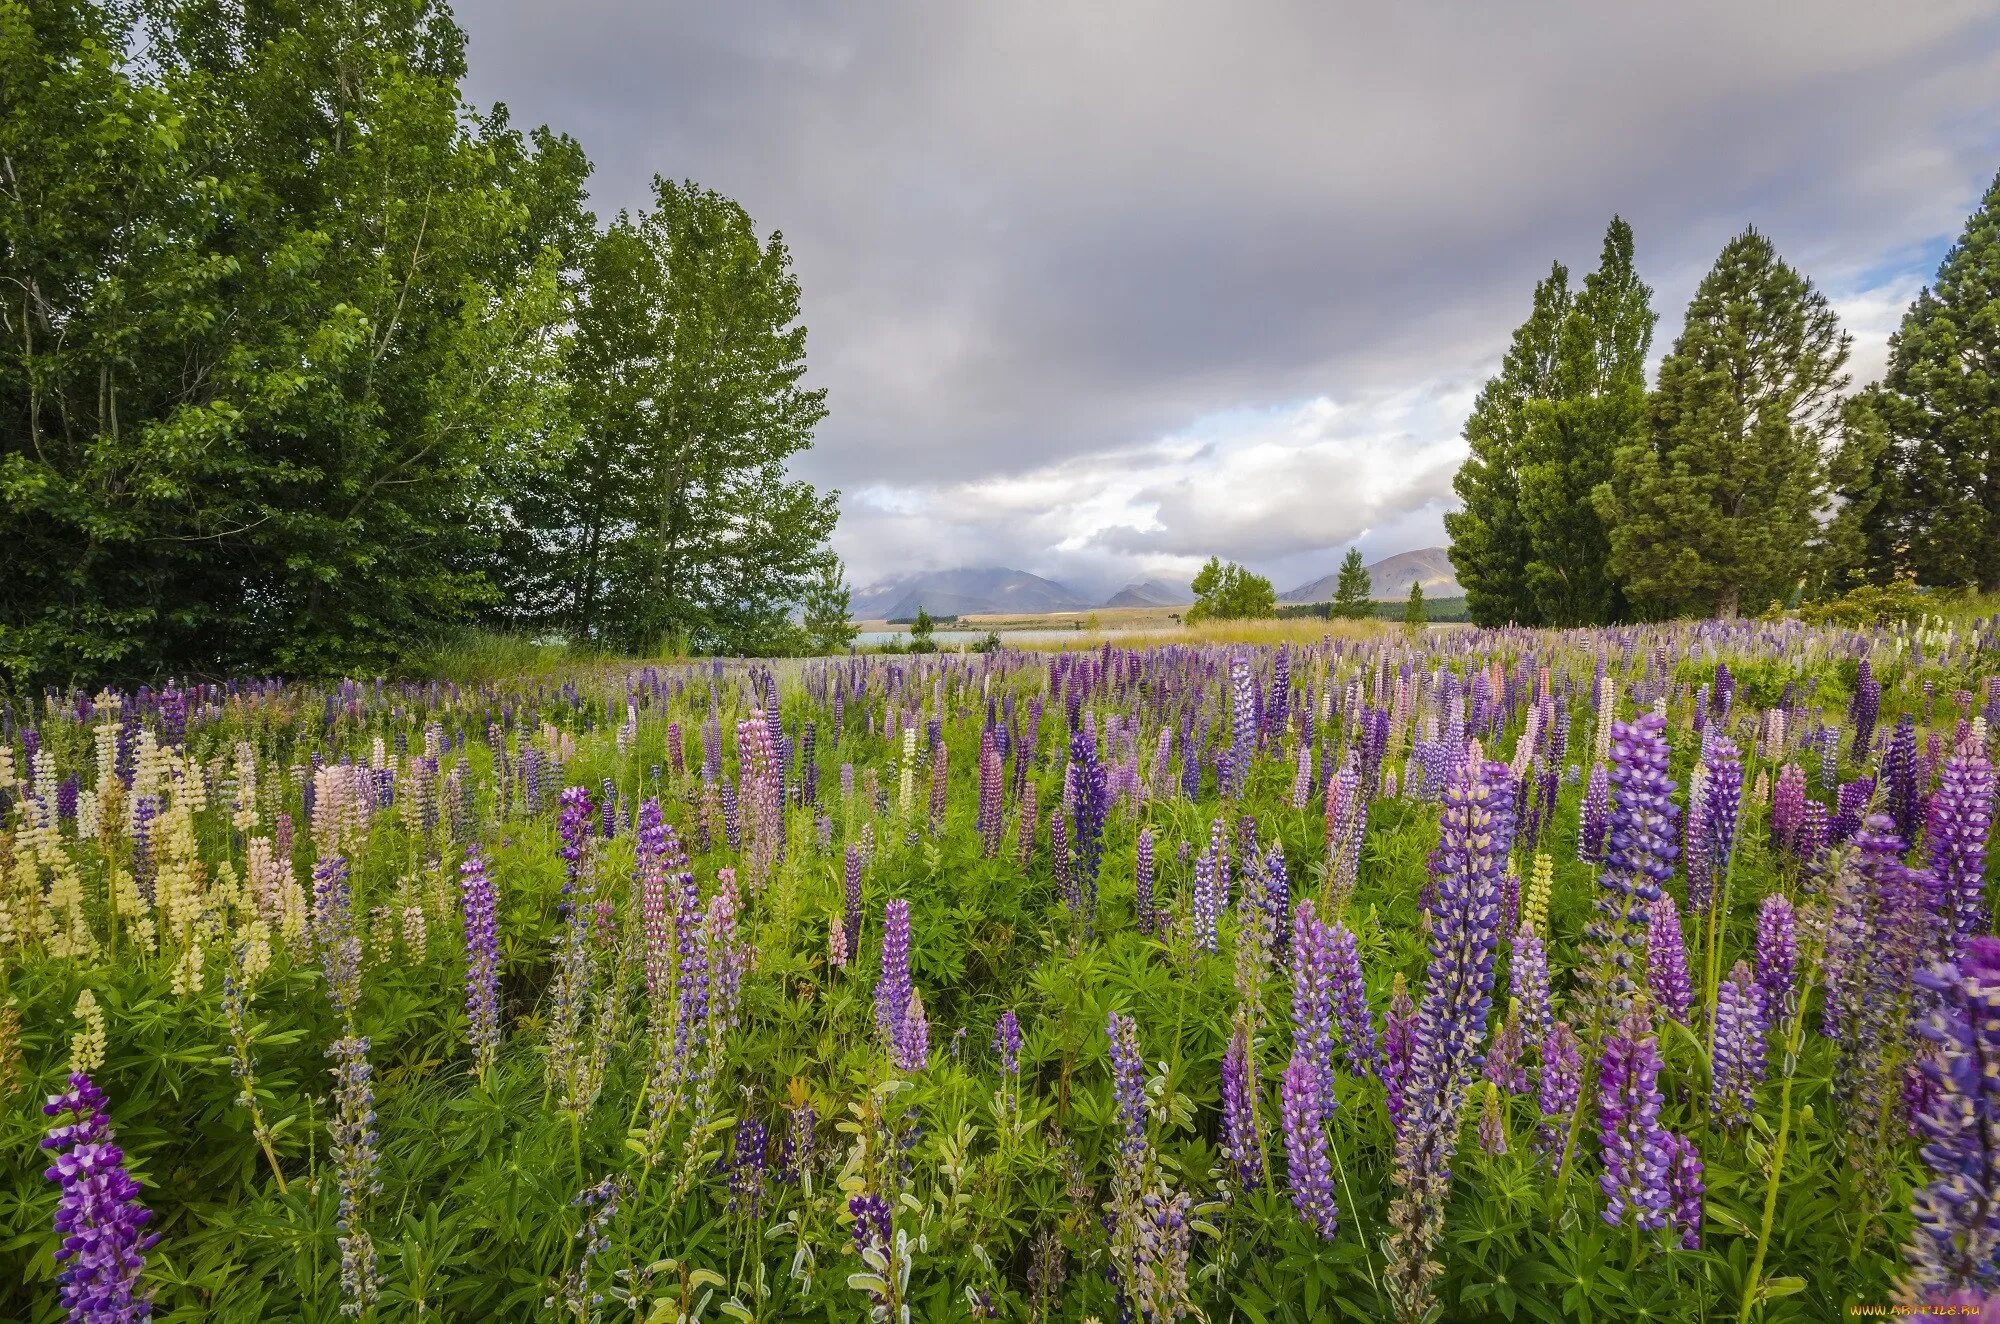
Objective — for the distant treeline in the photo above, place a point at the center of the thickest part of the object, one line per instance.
(1746, 475)
(305, 361)
(1435, 609)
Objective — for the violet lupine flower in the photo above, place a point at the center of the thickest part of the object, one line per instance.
(1346, 823)
(334, 936)
(1477, 834)
(1961, 819)
(1850, 806)
(873, 1233)
(1350, 999)
(1128, 1083)
(1093, 805)
(482, 959)
(1209, 898)
(1640, 858)
(357, 1164)
(1007, 1042)
(98, 1216)
(1142, 882)
(1528, 983)
(1595, 817)
(1302, 779)
(749, 1166)
(802, 1127)
(1666, 959)
(892, 993)
(574, 827)
(1862, 711)
(1900, 776)
(1628, 1126)
(1235, 766)
(1240, 1142)
(1399, 1031)
(654, 842)
(1777, 957)
(1739, 1048)
(852, 919)
(1312, 1001)
(1558, 1089)
(910, 1049)
(1722, 805)
(1788, 807)
(1503, 1059)
(1308, 1163)
(1685, 1189)
(1955, 1245)
(989, 795)
(1883, 921)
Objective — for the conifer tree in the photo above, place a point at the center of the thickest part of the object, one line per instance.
(1715, 508)
(1353, 590)
(1413, 608)
(1489, 541)
(1596, 403)
(1940, 408)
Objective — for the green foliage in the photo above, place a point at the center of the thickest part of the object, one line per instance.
(1594, 404)
(1898, 602)
(670, 513)
(1938, 511)
(1228, 592)
(825, 606)
(1716, 507)
(1490, 546)
(1413, 607)
(920, 632)
(1352, 592)
(281, 305)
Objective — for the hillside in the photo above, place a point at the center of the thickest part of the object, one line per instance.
(962, 592)
(1389, 579)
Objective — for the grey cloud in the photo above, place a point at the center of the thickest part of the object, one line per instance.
(1032, 231)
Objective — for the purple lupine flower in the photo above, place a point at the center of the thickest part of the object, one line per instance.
(1476, 835)
(1628, 1125)
(482, 960)
(1788, 807)
(1312, 1000)
(1850, 806)
(1862, 711)
(1211, 892)
(1235, 767)
(1274, 886)
(1777, 956)
(1883, 921)
(1093, 804)
(892, 992)
(1558, 1089)
(1595, 817)
(1308, 1164)
(873, 1236)
(1722, 805)
(1240, 1142)
(333, 934)
(98, 1216)
(1007, 1042)
(1492, 1122)
(1346, 823)
(748, 1166)
(1961, 819)
(1399, 1031)
(910, 1049)
(1666, 959)
(1685, 1189)
(1900, 777)
(1503, 1059)
(1128, 1082)
(1142, 882)
(1739, 1048)
(989, 795)
(574, 827)
(1528, 983)
(1350, 999)
(357, 1164)
(1955, 1245)
(801, 1131)
(1640, 858)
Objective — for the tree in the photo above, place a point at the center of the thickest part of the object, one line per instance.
(824, 608)
(1593, 404)
(1228, 592)
(920, 632)
(1716, 505)
(686, 367)
(278, 307)
(1353, 591)
(1853, 548)
(1489, 538)
(1413, 608)
(1939, 404)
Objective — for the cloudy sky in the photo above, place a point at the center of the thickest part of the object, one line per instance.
(1099, 289)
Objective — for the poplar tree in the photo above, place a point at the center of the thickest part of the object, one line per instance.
(1939, 507)
(1716, 506)
(1489, 537)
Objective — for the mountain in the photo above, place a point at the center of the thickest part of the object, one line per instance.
(1152, 593)
(969, 590)
(1389, 579)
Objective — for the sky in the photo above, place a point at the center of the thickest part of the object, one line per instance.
(1099, 290)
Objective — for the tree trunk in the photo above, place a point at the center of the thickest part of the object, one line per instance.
(1728, 602)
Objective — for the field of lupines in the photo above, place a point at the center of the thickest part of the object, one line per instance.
(1614, 975)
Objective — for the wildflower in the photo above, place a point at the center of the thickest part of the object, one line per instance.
(98, 1217)
(1640, 857)
(482, 959)
(1666, 959)
(86, 1046)
(1628, 1125)
(1308, 1167)
(1739, 1047)
(1955, 1244)
(1685, 1189)
(1240, 1141)
(1528, 982)
(1776, 956)
(1559, 1089)
(1960, 821)
(357, 1165)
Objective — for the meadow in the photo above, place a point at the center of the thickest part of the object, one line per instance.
(1635, 973)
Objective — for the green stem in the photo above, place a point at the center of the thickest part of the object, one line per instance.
(1777, 1163)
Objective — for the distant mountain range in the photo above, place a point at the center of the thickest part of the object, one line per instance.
(1389, 579)
(994, 590)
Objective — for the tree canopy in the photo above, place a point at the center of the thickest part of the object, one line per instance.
(1228, 592)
